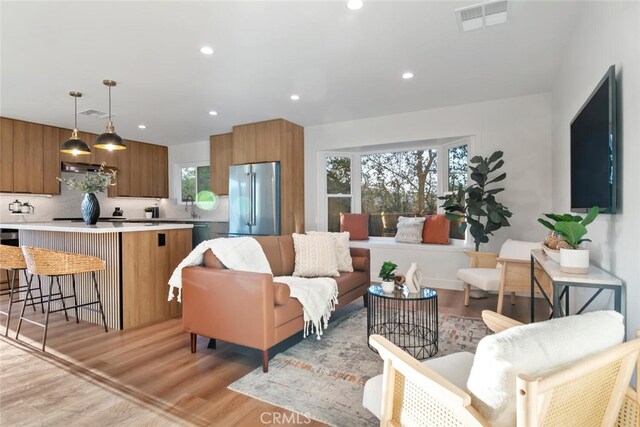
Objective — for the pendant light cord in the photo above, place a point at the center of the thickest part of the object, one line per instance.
(109, 103)
(75, 109)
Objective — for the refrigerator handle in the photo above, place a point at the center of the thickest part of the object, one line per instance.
(249, 186)
(253, 198)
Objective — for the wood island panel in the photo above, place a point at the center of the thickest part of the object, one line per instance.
(146, 269)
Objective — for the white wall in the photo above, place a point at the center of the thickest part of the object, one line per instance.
(520, 126)
(607, 33)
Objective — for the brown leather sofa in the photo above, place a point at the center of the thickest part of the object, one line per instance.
(251, 309)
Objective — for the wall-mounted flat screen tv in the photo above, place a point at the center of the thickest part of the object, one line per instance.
(593, 149)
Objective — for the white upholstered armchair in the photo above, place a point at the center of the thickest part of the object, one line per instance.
(508, 271)
(571, 371)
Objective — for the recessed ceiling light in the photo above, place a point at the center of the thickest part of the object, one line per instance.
(142, 127)
(355, 4)
(295, 97)
(213, 113)
(407, 75)
(206, 50)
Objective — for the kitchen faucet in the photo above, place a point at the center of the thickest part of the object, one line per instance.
(193, 207)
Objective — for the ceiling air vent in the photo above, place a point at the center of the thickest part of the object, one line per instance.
(95, 114)
(482, 15)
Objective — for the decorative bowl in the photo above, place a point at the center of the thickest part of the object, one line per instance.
(553, 254)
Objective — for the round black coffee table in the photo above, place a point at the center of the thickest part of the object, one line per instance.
(410, 321)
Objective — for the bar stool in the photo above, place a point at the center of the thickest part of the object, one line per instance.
(53, 264)
(11, 259)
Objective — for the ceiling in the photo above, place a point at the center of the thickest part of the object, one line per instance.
(344, 64)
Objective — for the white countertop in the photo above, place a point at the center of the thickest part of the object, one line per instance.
(101, 227)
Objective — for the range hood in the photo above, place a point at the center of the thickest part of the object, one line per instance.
(81, 167)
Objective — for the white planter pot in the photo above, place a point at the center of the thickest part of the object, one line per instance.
(388, 287)
(148, 214)
(574, 261)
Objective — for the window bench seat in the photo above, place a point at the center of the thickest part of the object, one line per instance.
(439, 263)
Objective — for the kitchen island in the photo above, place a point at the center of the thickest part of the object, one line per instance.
(139, 261)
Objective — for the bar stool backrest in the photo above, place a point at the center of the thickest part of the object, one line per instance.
(11, 258)
(48, 262)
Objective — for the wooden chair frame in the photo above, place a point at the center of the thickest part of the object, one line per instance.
(515, 276)
(535, 395)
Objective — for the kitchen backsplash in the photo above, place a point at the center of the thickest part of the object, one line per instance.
(67, 204)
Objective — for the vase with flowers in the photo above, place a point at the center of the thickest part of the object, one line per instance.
(91, 183)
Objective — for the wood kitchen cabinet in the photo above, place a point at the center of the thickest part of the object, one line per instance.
(221, 157)
(28, 157)
(6, 155)
(30, 160)
(275, 141)
(149, 264)
(51, 163)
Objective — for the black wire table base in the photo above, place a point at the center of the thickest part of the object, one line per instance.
(410, 321)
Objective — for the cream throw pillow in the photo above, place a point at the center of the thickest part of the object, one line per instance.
(410, 229)
(345, 263)
(315, 256)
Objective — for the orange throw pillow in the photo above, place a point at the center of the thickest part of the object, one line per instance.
(436, 229)
(356, 224)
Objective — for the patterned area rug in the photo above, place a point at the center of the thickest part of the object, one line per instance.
(324, 380)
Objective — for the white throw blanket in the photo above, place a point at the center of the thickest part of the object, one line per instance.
(318, 297)
(237, 253)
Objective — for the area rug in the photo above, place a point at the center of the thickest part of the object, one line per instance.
(324, 379)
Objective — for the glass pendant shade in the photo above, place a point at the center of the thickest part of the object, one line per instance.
(109, 140)
(75, 145)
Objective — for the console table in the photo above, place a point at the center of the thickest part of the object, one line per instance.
(596, 278)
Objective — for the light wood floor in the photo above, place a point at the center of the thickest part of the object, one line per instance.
(149, 369)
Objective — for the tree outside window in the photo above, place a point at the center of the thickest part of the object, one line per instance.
(398, 184)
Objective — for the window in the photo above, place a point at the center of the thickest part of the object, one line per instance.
(338, 190)
(195, 182)
(390, 184)
(398, 184)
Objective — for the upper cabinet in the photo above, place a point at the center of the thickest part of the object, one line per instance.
(221, 153)
(269, 141)
(30, 161)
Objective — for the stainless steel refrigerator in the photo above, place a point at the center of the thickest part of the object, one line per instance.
(254, 199)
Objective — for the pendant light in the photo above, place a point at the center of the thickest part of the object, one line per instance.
(109, 140)
(74, 145)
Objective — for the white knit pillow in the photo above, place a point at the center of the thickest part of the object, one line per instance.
(315, 256)
(410, 229)
(534, 349)
(345, 263)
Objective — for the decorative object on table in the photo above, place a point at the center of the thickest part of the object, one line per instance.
(75, 145)
(572, 229)
(387, 274)
(118, 212)
(15, 206)
(337, 400)
(399, 280)
(148, 212)
(109, 140)
(414, 278)
(91, 183)
(27, 208)
(477, 203)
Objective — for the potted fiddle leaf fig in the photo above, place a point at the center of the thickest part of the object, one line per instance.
(477, 203)
(572, 229)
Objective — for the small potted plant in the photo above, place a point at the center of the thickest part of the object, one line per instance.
(148, 212)
(388, 275)
(571, 229)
